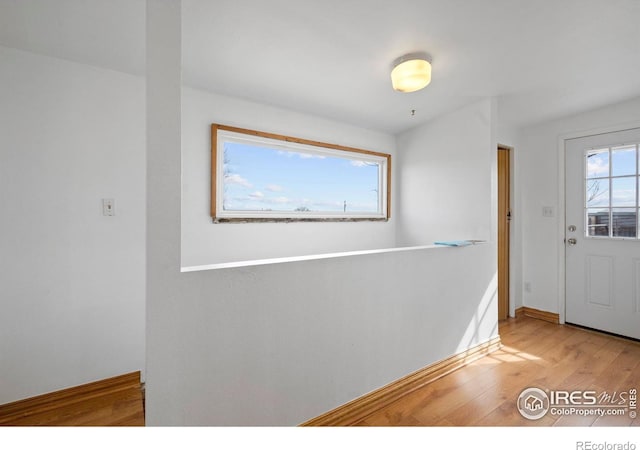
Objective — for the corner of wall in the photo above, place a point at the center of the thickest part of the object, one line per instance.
(438, 167)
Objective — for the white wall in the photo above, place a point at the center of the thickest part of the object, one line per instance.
(538, 183)
(445, 190)
(278, 344)
(206, 243)
(72, 280)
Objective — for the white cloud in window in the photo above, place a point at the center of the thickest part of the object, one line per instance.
(358, 163)
(623, 197)
(259, 197)
(310, 156)
(237, 179)
(274, 188)
(597, 167)
(324, 204)
(290, 154)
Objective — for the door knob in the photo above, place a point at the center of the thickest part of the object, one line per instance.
(572, 241)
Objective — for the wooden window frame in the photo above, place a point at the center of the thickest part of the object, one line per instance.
(216, 180)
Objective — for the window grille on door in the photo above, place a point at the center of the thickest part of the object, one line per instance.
(611, 192)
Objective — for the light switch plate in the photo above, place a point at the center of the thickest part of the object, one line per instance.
(108, 207)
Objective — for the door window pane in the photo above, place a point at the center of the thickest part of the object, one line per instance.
(598, 222)
(598, 163)
(623, 191)
(624, 222)
(611, 191)
(623, 161)
(597, 193)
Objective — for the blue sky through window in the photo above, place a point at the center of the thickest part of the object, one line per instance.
(623, 161)
(259, 178)
(617, 166)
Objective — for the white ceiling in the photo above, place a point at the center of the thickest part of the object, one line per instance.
(541, 58)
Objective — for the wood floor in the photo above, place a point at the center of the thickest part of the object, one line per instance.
(116, 401)
(484, 393)
(535, 354)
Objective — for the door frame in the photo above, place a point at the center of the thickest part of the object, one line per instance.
(562, 222)
(509, 308)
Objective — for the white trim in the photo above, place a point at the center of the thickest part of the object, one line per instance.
(512, 230)
(562, 299)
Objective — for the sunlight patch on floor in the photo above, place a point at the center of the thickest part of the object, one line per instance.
(520, 354)
(487, 360)
(506, 354)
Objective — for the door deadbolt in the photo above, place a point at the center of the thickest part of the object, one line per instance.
(572, 228)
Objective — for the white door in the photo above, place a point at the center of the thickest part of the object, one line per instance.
(601, 236)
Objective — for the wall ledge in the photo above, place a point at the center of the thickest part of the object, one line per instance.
(267, 261)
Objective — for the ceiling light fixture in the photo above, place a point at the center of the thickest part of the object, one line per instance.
(411, 72)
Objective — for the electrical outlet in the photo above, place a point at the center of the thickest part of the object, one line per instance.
(547, 211)
(527, 286)
(108, 207)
